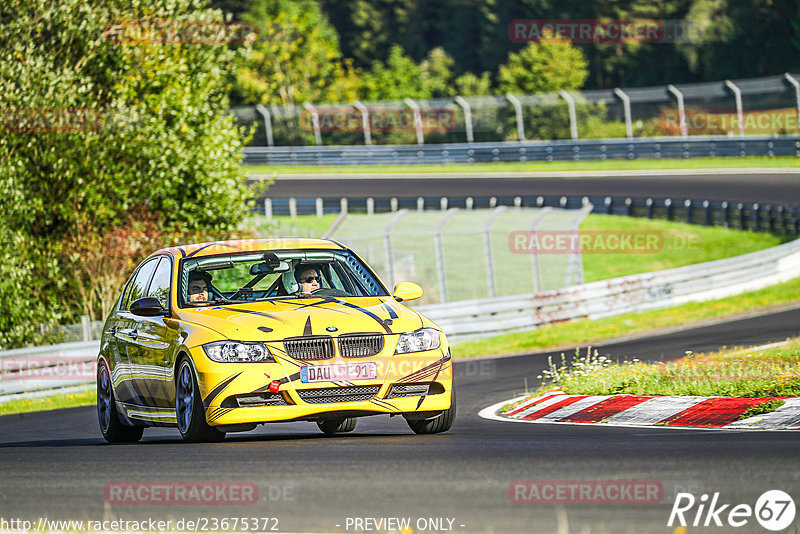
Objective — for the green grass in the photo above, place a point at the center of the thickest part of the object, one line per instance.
(749, 373)
(763, 408)
(54, 402)
(541, 166)
(681, 244)
(282, 226)
(587, 331)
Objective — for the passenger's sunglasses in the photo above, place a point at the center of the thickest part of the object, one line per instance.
(309, 279)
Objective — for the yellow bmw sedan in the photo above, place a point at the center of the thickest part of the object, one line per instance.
(220, 337)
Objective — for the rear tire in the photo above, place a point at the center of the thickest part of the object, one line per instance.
(337, 425)
(189, 410)
(441, 424)
(114, 431)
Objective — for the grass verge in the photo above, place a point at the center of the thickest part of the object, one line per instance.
(586, 331)
(680, 244)
(54, 402)
(772, 372)
(540, 166)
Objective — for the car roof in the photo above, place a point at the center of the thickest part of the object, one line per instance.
(247, 245)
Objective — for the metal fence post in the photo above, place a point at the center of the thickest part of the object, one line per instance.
(756, 217)
(364, 121)
(668, 207)
(293, 208)
(518, 111)
(649, 204)
(793, 81)
(268, 208)
(688, 204)
(387, 243)
(726, 214)
(626, 106)
(318, 206)
(438, 247)
(420, 204)
(267, 122)
(86, 325)
(739, 111)
(314, 121)
(681, 109)
(573, 116)
(417, 119)
(487, 250)
(742, 220)
(370, 206)
(343, 205)
(537, 275)
(467, 117)
(707, 212)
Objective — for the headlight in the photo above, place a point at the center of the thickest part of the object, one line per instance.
(422, 339)
(237, 351)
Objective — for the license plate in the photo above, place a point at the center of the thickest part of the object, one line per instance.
(343, 371)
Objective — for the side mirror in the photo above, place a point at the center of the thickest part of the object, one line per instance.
(406, 291)
(148, 307)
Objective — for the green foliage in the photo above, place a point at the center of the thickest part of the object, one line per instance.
(437, 73)
(544, 67)
(470, 85)
(104, 128)
(396, 79)
(296, 59)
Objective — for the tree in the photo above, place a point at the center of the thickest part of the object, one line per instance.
(112, 114)
(550, 65)
(400, 77)
(297, 58)
(437, 73)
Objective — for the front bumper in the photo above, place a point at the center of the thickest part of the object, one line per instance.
(231, 391)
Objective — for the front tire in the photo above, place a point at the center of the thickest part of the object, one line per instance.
(337, 425)
(189, 408)
(442, 423)
(114, 431)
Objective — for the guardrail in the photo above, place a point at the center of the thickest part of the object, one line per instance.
(59, 366)
(523, 151)
(693, 283)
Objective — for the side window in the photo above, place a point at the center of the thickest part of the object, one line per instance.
(138, 288)
(159, 287)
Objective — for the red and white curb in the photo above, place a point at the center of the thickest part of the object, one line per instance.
(647, 410)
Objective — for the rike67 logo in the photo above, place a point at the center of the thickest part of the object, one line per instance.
(774, 510)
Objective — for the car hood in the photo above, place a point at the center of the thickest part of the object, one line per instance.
(274, 320)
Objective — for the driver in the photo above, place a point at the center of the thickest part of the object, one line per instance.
(309, 280)
(199, 284)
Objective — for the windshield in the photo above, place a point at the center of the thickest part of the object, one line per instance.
(229, 278)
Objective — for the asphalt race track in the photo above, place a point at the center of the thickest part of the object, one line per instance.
(56, 465)
(779, 186)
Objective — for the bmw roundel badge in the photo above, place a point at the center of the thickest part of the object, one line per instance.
(331, 329)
